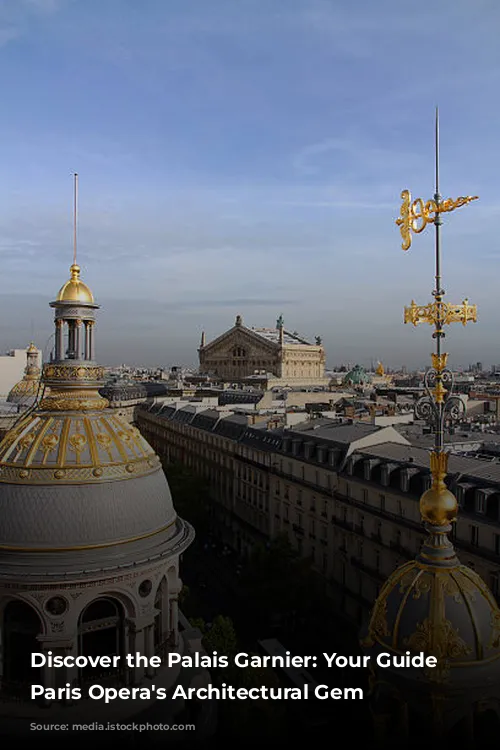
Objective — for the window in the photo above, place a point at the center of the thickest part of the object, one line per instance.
(382, 502)
(364, 496)
(474, 535)
(348, 489)
(497, 544)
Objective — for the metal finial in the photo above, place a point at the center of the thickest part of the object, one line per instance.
(439, 407)
(75, 206)
(437, 196)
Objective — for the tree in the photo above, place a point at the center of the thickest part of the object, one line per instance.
(265, 717)
(279, 585)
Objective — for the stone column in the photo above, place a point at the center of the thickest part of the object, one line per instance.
(71, 338)
(59, 339)
(78, 339)
(149, 636)
(141, 640)
(174, 619)
(59, 645)
(91, 341)
(136, 645)
(87, 339)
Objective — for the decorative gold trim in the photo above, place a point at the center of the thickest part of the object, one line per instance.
(43, 475)
(88, 546)
(442, 313)
(66, 372)
(70, 402)
(439, 361)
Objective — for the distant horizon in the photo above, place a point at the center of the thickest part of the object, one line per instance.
(247, 158)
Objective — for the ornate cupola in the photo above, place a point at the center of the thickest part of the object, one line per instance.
(72, 374)
(25, 392)
(434, 605)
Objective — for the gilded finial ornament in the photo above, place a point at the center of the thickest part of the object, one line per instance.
(416, 215)
(439, 407)
(434, 605)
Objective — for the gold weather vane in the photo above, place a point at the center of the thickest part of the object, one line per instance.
(416, 215)
(438, 407)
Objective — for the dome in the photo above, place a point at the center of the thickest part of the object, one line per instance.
(448, 613)
(357, 376)
(26, 390)
(23, 391)
(75, 290)
(53, 465)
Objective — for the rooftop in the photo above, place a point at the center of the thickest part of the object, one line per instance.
(273, 334)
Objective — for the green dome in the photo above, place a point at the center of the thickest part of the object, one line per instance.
(357, 376)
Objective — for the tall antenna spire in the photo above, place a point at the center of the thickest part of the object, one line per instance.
(438, 407)
(437, 150)
(75, 207)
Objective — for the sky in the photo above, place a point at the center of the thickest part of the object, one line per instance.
(247, 157)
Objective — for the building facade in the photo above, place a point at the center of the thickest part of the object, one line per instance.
(347, 496)
(243, 353)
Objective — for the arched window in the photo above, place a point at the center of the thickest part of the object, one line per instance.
(21, 626)
(101, 633)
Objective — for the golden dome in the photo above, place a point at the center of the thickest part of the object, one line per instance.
(74, 448)
(75, 290)
(446, 612)
(380, 369)
(24, 389)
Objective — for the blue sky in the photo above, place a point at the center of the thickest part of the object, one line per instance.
(247, 156)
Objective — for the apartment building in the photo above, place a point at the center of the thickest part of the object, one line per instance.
(347, 496)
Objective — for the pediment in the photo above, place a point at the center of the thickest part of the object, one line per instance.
(242, 337)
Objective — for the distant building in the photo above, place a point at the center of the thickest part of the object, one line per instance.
(242, 353)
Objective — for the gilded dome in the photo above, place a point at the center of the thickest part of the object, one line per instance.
(73, 447)
(80, 481)
(436, 606)
(74, 290)
(25, 389)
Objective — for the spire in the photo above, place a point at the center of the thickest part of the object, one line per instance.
(438, 407)
(75, 209)
(202, 343)
(73, 375)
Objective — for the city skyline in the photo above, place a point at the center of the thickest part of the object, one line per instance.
(246, 160)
